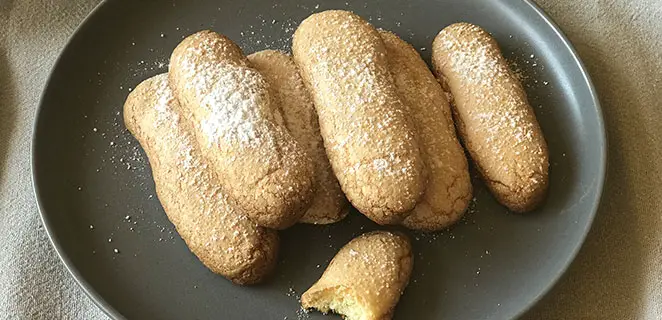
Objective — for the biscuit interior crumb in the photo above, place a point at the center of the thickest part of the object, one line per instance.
(342, 302)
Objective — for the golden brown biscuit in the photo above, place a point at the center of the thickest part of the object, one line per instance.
(330, 204)
(449, 185)
(371, 144)
(493, 116)
(365, 280)
(223, 238)
(260, 164)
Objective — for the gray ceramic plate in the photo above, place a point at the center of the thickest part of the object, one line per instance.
(96, 195)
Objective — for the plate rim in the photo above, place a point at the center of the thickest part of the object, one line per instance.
(110, 311)
(87, 288)
(602, 169)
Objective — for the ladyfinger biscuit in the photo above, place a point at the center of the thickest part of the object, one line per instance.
(365, 280)
(449, 185)
(493, 116)
(370, 143)
(260, 164)
(329, 204)
(223, 238)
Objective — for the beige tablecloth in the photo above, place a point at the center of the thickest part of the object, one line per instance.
(618, 274)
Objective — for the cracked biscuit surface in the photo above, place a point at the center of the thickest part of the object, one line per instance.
(449, 185)
(370, 142)
(492, 114)
(222, 237)
(298, 114)
(260, 164)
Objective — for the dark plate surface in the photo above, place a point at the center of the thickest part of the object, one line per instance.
(95, 192)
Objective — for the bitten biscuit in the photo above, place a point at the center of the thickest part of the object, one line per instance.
(493, 116)
(223, 238)
(329, 204)
(365, 280)
(368, 138)
(260, 165)
(449, 184)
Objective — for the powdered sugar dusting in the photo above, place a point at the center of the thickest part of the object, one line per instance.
(231, 93)
(380, 164)
(229, 99)
(165, 116)
(475, 59)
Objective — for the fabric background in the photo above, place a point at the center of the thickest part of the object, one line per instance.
(617, 275)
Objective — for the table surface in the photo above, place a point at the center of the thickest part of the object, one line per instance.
(617, 275)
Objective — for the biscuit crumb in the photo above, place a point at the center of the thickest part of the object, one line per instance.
(365, 286)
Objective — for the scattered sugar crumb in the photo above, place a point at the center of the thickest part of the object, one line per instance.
(302, 314)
